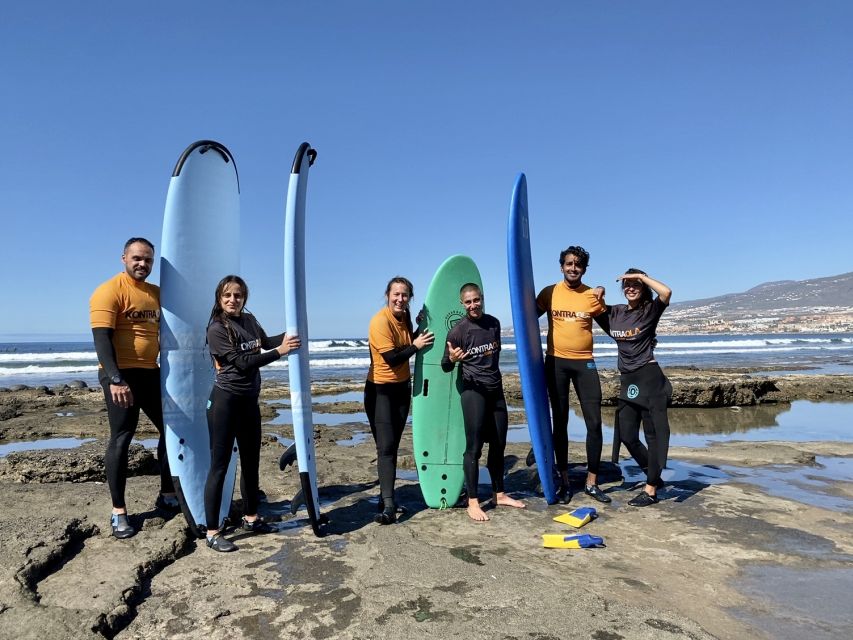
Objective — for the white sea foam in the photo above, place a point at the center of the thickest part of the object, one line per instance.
(49, 357)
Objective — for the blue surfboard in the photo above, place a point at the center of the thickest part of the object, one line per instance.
(525, 320)
(296, 322)
(200, 245)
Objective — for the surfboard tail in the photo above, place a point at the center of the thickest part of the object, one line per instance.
(195, 528)
(305, 497)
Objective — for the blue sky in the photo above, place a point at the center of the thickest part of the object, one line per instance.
(708, 143)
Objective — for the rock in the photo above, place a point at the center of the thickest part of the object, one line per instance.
(84, 464)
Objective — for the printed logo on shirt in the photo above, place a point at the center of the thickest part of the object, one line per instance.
(149, 315)
(625, 335)
(452, 318)
(483, 349)
(591, 365)
(252, 345)
(633, 391)
(569, 316)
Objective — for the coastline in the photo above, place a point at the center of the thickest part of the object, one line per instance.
(670, 571)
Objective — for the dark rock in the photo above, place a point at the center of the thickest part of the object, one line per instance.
(83, 464)
(77, 384)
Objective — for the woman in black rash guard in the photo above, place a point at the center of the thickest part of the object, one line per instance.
(644, 390)
(235, 340)
(475, 343)
(387, 392)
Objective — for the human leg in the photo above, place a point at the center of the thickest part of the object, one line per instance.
(588, 389)
(146, 393)
(473, 412)
(558, 379)
(223, 417)
(497, 447)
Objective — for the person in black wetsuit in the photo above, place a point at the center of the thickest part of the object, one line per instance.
(475, 343)
(387, 392)
(235, 340)
(644, 390)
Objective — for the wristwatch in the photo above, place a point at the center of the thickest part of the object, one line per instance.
(116, 379)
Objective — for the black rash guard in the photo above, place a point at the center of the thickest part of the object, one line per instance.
(481, 339)
(238, 356)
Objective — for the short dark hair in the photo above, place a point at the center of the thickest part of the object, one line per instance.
(579, 252)
(134, 241)
(470, 285)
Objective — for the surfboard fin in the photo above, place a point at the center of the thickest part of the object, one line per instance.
(297, 501)
(288, 457)
(577, 518)
(576, 541)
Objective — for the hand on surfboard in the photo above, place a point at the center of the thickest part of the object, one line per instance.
(288, 344)
(455, 353)
(424, 340)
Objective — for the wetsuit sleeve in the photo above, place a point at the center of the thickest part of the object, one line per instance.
(226, 353)
(271, 342)
(399, 355)
(453, 338)
(105, 350)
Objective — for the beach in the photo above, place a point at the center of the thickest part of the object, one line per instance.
(721, 556)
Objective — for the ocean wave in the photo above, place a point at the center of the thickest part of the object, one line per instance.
(62, 356)
(37, 370)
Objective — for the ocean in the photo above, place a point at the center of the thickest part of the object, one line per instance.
(56, 363)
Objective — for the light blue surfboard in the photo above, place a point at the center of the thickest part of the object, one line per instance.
(200, 245)
(525, 320)
(296, 322)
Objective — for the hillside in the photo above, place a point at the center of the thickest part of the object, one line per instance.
(818, 305)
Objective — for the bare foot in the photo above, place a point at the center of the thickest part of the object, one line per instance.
(475, 512)
(504, 500)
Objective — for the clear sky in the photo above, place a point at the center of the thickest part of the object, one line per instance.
(706, 142)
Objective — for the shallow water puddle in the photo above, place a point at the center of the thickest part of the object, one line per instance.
(809, 485)
(42, 445)
(798, 603)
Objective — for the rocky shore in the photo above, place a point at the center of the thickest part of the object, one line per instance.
(668, 571)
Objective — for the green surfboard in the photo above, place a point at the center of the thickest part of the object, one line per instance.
(438, 431)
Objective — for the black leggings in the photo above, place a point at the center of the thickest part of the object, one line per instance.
(387, 407)
(145, 386)
(486, 419)
(559, 372)
(655, 423)
(230, 417)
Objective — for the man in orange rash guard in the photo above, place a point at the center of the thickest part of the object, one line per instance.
(571, 307)
(125, 318)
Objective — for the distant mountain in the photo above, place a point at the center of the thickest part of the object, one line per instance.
(818, 305)
(821, 305)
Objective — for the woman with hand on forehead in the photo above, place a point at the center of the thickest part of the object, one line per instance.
(387, 392)
(644, 390)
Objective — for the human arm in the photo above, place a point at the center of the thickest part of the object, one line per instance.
(399, 355)
(663, 292)
(226, 353)
(120, 393)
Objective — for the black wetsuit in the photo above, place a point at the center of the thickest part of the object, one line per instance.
(483, 403)
(233, 411)
(145, 386)
(644, 390)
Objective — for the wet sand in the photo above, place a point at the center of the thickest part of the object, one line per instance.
(708, 561)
